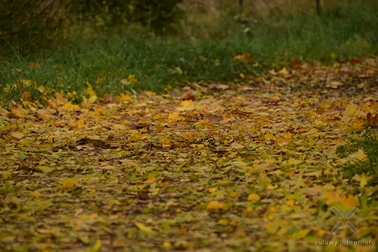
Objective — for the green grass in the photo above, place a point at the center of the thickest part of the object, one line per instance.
(368, 142)
(114, 53)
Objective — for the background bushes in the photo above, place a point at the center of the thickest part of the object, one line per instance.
(34, 23)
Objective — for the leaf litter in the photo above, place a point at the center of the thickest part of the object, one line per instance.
(234, 167)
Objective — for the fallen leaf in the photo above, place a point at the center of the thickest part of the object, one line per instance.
(19, 111)
(360, 155)
(214, 205)
(69, 183)
(144, 228)
(253, 197)
(45, 169)
(17, 135)
(96, 247)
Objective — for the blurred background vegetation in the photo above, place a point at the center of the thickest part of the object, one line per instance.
(36, 23)
(125, 45)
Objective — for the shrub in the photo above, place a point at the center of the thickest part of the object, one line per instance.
(35, 23)
(25, 22)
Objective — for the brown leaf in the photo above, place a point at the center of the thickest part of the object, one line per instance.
(17, 135)
(244, 57)
(218, 86)
(212, 118)
(371, 120)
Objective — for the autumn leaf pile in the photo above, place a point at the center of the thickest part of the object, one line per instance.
(222, 167)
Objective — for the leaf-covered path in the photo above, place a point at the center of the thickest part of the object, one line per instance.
(218, 168)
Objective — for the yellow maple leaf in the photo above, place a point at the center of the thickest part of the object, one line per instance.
(35, 194)
(174, 116)
(123, 97)
(360, 155)
(92, 99)
(284, 72)
(89, 91)
(331, 197)
(87, 103)
(150, 180)
(358, 124)
(166, 143)
(125, 82)
(290, 203)
(214, 205)
(80, 123)
(131, 79)
(166, 245)
(363, 180)
(253, 197)
(189, 135)
(187, 105)
(70, 107)
(353, 111)
(60, 100)
(269, 137)
(19, 111)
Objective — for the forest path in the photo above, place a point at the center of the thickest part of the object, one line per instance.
(224, 168)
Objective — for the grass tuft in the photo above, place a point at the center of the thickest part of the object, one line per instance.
(369, 165)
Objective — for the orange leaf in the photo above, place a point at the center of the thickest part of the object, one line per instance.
(112, 202)
(26, 96)
(34, 65)
(350, 200)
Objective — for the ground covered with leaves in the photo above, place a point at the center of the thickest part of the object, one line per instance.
(222, 167)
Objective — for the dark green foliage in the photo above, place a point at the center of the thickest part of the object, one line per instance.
(152, 13)
(35, 23)
(23, 22)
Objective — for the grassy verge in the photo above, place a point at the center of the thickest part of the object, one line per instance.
(362, 169)
(122, 60)
(366, 159)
